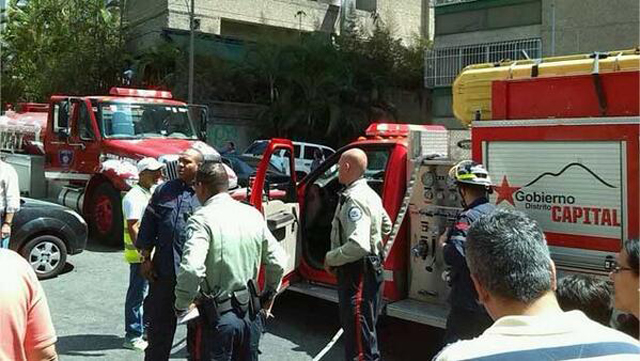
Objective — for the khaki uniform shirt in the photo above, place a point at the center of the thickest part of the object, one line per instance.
(358, 225)
(226, 241)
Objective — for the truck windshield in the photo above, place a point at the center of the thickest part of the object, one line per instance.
(131, 120)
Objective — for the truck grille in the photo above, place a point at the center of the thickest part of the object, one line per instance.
(170, 171)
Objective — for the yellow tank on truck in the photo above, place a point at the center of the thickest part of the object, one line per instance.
(472, 88)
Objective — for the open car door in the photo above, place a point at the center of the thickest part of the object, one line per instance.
(276, 198)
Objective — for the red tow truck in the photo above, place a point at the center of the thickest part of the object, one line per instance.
(83, 150)
(562, 146)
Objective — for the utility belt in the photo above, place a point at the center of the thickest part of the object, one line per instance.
(373, 264)
(244, 301)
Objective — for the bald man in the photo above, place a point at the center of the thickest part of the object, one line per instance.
(356, 256)
(162, 231)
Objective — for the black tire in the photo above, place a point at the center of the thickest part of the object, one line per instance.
(47, 254)
(102, 229)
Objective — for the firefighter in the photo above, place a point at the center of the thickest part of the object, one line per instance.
(162, 231)
(467, 318)
(356, 256)
(226, 242)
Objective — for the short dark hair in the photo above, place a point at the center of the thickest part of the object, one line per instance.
(632, 248)
(587, 294)
(508, 254)
(214, 176)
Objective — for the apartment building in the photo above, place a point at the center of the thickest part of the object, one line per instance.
(477, 31)
(150, 20)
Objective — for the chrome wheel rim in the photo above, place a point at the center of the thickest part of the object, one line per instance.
(45, 257)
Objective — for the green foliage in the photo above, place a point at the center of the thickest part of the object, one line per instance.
(317, 87)
(59, 46)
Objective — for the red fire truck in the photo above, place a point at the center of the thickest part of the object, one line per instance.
(83, 150)
(561, 145)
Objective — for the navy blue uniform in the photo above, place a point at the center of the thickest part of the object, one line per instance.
(467, 318)
(162, 228)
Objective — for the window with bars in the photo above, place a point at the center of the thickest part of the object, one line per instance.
(444, 64)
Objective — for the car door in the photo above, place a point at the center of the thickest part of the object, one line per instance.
(318, 199)
(278, 202)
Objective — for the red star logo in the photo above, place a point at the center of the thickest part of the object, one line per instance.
(505, 192)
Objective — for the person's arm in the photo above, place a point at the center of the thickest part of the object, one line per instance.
(147, 232)
(387, 225)
(274, 259)
(356, 230)
(453, 249)
(192, 266)
(40, 337)
(43, 354)
(133, 225)
(12, 201)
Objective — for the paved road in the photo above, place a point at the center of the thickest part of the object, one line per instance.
(87, 306)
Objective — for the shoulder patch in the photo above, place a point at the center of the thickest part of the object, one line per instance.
(354, 214)
(462, 226)
(188, 233)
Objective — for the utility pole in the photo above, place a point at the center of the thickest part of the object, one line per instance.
(191, 49)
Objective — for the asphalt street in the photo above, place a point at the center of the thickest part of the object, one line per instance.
(87, 303)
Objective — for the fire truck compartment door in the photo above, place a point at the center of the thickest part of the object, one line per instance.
(574, 189)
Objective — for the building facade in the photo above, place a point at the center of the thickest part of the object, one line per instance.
(479, 31)
(254, 19)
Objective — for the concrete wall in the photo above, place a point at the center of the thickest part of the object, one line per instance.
(407, 18)
(235, 122)
(584, 26)
(145, 21)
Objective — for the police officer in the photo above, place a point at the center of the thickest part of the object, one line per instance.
(467, 318)
(226, 243)
(162, 230)
(356, 256)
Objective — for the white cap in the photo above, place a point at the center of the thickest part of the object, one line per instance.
(149, 164)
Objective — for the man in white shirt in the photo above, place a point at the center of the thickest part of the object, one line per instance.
(134, 204)
(514, 275)
(9, 200)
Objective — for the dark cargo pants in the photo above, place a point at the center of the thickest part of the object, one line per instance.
(160, 314)
(235, 337)
(360, 298)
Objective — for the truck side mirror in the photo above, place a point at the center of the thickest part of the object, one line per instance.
(202, 114)
(63, 133)
(204, 119)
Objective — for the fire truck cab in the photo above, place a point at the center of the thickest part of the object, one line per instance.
(83, 150)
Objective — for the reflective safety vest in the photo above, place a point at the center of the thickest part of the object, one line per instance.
(131, 254)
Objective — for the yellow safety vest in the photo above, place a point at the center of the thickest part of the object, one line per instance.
(131, 254)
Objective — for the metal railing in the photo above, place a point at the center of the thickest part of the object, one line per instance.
(443, 64)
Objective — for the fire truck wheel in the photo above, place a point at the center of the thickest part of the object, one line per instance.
(106, 219)
(47, 254)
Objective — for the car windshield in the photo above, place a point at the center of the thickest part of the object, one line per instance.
(257, 148)
(133, 120)
(249, 162)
